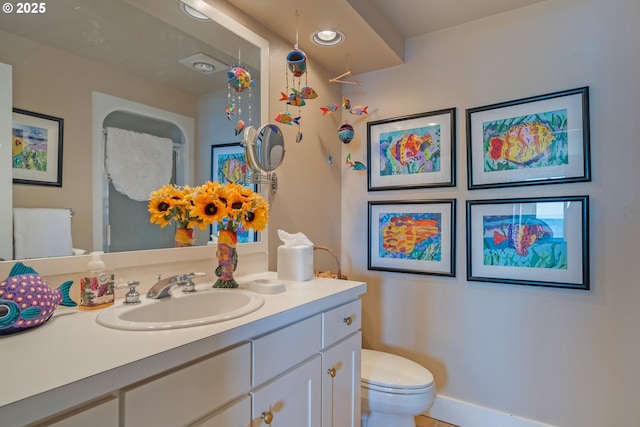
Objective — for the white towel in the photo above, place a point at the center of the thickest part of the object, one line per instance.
(40, 233)
(138, 163)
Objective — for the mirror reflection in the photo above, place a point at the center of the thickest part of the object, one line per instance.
(140, 66)
(265, 148)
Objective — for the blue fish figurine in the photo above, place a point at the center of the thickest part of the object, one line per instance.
(27, 301)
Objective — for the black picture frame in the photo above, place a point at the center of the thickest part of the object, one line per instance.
(36, 141)
(529, 241)
(538, 140)
(427, 159)
(412, 236)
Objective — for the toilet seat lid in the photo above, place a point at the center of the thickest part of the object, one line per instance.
(392, 371)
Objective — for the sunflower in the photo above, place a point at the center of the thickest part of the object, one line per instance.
(256, 218)
(208, 208)
(171, 203)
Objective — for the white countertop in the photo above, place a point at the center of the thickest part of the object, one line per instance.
(71, 357)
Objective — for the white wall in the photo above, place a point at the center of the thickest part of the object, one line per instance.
(563, 357)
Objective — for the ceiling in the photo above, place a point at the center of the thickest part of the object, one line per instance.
(375, 29)
(119, 33)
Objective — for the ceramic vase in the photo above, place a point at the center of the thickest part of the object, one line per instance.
(184, 237)
(227, 259)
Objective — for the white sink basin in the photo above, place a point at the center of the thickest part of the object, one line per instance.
(181, 310)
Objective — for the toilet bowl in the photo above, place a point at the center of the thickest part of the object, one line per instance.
(393, 390)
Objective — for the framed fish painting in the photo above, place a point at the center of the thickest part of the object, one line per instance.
(412, 151)
(228, 165)
(412, 236)
(36, 148)
(529, 241)
(538, 140)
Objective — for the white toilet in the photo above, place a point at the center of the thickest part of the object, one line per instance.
(394, 390)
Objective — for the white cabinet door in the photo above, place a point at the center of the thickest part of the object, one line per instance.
(291, 400)
(341, 383)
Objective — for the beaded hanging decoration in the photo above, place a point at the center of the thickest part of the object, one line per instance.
(238, 81)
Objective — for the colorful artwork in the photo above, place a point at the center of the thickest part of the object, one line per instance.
(524, 142)
(410, 151)
(415, 236)
(228, 165)
(29, 148)
(524, 241)
(232, 168)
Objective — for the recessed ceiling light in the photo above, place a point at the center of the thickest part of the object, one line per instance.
(327, 37)
(193, 12)
(204, 64)
(203, 67)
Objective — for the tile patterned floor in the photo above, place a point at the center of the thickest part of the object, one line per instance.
(422, 421)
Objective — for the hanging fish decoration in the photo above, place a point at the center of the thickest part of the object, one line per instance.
(239, 127)
(293, 99)
(299, 135)
(329, 109)
(345, 133)
(239, 78)
(27, 301)
(230, 109)
(297, 62)
(346, 103)
(287, 119)
(359, 110)
(356, 166)
(307, 92)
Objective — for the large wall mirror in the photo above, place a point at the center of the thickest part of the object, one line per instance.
(133, 65)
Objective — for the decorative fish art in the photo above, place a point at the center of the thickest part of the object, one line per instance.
(521, 237)
(356, 166)
(293, 99)
(233, 170)
(403, 233)
(359, 110)
(346, 103)
(306, 92)
(230, 109)
(239, 78)
(522, 144)
(239, 127)
(329, 109)
(26, 301)
(287, 119)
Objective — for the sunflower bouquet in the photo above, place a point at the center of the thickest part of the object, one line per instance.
(231, 205)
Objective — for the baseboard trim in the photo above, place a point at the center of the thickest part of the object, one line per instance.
(465, 414)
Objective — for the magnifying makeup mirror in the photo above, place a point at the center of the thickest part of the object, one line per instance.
(264, 151)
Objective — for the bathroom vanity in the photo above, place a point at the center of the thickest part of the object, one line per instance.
(293, 362)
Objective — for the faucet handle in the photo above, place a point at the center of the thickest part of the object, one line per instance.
(132, 297)
(189, 286)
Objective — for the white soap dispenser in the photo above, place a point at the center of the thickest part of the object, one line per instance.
(96, 286)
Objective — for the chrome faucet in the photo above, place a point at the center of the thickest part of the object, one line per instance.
(163, 287)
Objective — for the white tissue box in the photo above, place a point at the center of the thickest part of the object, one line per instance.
(295, 263)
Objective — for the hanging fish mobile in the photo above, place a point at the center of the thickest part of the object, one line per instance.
(238, 81)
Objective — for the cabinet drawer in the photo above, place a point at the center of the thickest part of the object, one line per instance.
(101, 414)
(278, 351)
(341, 322)
(236, 414)
(199, 388)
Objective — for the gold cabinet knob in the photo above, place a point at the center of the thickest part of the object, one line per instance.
(348, 320)
(267, 417)
(332, 372)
